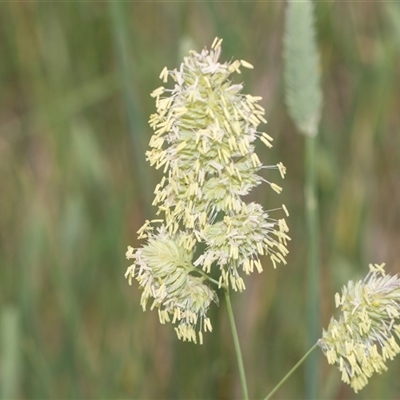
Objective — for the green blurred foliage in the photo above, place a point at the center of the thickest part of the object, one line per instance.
(75, 79)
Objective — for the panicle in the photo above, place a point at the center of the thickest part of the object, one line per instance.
(364, 336)
(205, 129)
(165, 272)
(204, 137)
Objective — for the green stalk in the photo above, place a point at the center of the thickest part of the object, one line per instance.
(239, 357)
(313, 301)
(284, 379)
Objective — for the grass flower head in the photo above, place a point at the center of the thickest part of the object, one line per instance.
(165, 272)
(204, 134)
(363, 338)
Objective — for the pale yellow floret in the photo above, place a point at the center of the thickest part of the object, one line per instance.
(214, 42)
(142, 230)
(156, 142)
(255, 160)
(242, 114)
(129, 254)
(393, 345)
(378, 268)
(331, 356)
(261, 109)
(227, 115)
(284, 251)
(250, 104)
(276, 188)
(207, 82)
(254, 120)
(210, 112)
(246, 64)
(268, 242)
(236, 127)
(261, 117)
(246, 144)
(165, 167)
(130, 273)
(227, 126)
(240, 284)
(248, 109)
(226, 157)
(201, 337)
(358, 382)
(177, 315)
(219, 154)
(237, 173)
(207, 325)
(224, 103)
(233, 283)
(232, 143)
(163, 316)
(235, 67)
(349, 329)
(164, 75)
(285, 210)
(157, 92)
(251, 265)
(253, 99)
(282, 169)
(266, 141)
(274, 260)
(387, 353)
(234, 252)
(246, 266)
(161, 108)
(338, 300)
(268, 137)
(281, 257)
(180, 111)
(258, 266)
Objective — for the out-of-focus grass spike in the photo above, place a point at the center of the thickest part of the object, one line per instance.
(302, 73)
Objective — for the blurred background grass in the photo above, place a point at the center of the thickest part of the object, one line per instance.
(75, 79)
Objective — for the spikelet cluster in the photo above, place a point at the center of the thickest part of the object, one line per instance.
(364, 336)
(164, 270)
(204, 134)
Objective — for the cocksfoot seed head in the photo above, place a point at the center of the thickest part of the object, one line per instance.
(204, 139)
(363, 337)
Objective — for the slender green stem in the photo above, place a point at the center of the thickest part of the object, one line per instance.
(239, 357)
(212, 280)
(283, 380)
(313, 301)
(196, 270)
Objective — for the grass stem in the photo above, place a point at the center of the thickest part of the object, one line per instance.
(313, 301)
(283, 380)
(238, 351)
